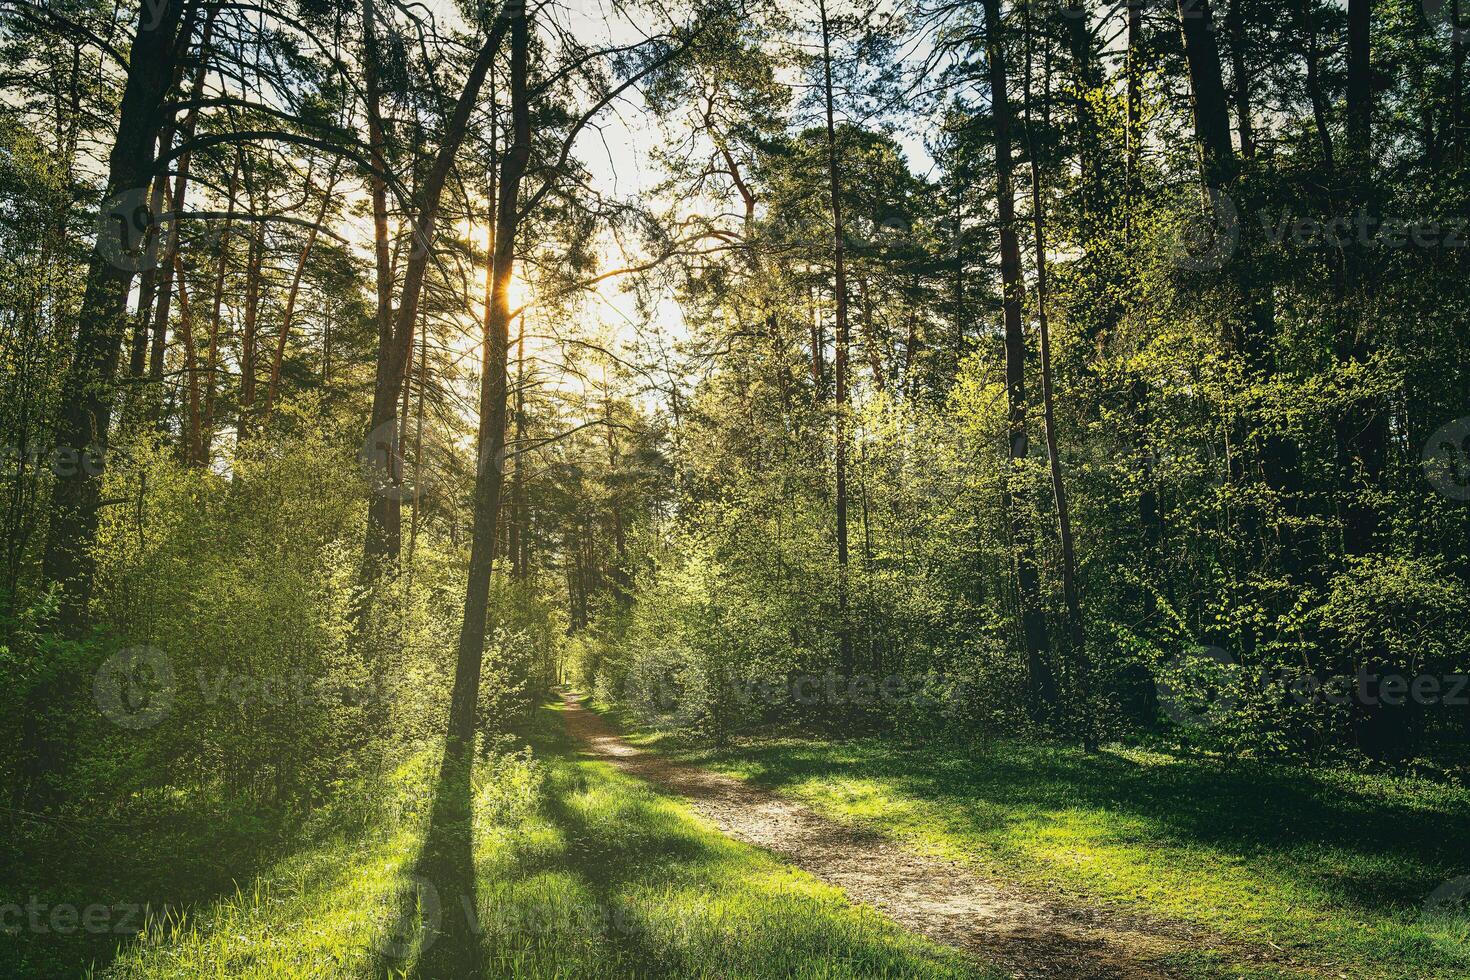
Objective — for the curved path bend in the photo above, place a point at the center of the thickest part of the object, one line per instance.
(1024, 935)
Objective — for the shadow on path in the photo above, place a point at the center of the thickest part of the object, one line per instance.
(930, 896)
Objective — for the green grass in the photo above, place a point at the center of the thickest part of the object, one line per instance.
(76, 888)
(571, 869)
(1331, 868)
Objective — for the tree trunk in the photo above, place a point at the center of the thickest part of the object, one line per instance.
(418, 445)
(1041, 679)
(1359, 82)
(382, 442)
(819, 341)
(870, 339)
(1308, 27)
(163, 288)
(839, 289)
(1240, 80)
(170, 243)
(1080, 43)
(211, 377)
(255, 260)
(193, 443)
(518, 476)
(280, 355)
(1077, 632)
(1255, 340)
(1133, 178)
(1211, 115)
(85, 413)
(383, 508)
(490, 466)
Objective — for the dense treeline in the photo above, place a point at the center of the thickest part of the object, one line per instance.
(1081, 370)
(1133, 413)
(253, 306)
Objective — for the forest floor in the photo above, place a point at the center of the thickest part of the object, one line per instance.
(1020, 931)
(1186, 864)
(548, 865)
(602, 856)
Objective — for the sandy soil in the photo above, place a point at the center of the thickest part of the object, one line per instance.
(1026, 935)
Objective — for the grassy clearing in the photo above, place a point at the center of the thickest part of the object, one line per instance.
(78, 889)
(567, 869)
(1333, 868)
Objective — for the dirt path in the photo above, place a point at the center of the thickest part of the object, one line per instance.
(1024, 935)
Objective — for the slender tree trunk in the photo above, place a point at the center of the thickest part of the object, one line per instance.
(621, 580)
(1079, 43)
(839, 288)
(147, 287)
(959, 270)
(1307, 23)
(383, 509)
(819, 341)
(193, 443)
(1359, 82)
(1363, 431)
(85, 413)
(1077, 632)
(279, 357)
(1133, 177)
(1240, 79)
(1459, 35)
(1255, 341)
(870, 339)
(254, 270)
(1148, 503)
(170, 241)
(1211, 115)
(163, 287)
(1362, 428)
(518, 476)
(490, 467)
(382, 443)
(911, 345)
(211, 377)
(418, 445)
(1042, 681)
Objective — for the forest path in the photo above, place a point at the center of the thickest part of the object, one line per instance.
(1021, 934)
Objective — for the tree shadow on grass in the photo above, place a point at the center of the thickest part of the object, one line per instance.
(436, 920)
(173, 861)
(1404, 846)
(604, 865)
